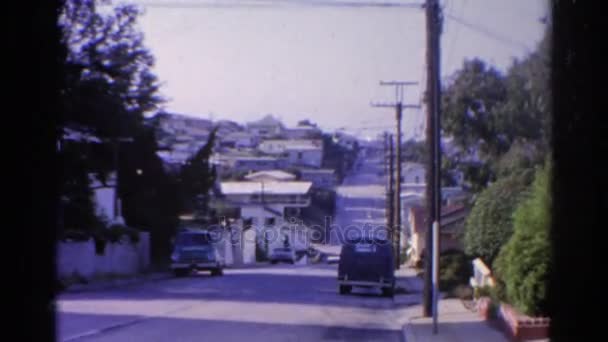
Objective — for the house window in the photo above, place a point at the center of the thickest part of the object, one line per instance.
(270, 221)
(299, 155)
(417, 179)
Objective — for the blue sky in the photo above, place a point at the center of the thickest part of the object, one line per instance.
(241, 60)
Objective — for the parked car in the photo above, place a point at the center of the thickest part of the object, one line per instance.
(283, 254)
(194, 250)
(366, 262)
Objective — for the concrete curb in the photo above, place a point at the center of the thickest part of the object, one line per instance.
(406, 330)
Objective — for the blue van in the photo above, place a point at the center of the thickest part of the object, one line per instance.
(367, 262)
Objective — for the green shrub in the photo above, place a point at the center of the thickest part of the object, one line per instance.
(454, 269)
(463, 292)
(489, 225)
(524, 262)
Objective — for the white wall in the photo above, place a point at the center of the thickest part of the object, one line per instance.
(117, 259)
(249, 238)
(104, 202)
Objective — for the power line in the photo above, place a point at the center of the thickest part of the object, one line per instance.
(456, 31)
(488, 33)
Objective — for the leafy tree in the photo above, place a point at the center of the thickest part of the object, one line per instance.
(468, 104)
(77, 210)
(486, 112)
(523, 263)
(197, 178)
(489, 225)
(109, 88)
(150, 198)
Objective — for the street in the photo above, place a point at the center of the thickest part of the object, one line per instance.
(270, 303)
(361, 200)
(266, 303)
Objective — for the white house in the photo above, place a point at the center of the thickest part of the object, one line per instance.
(320, 178)
(270, 209)
(267, 127)
(270, 176)
(307, 152)
(234, 161)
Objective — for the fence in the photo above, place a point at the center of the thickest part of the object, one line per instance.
(122, 258)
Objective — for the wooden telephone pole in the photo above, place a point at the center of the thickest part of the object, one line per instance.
(390, 198)
(396, 194)
(433, 190)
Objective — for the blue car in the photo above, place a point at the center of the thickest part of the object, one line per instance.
(195, 251)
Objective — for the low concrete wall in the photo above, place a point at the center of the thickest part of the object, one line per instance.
(122, 258)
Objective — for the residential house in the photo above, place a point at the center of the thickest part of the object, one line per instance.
(270, 176)
(267, 127)
(267, 208)
(244, 161)
(304, 130)
(451, 229)
(239, 139)
(413, 195)
(296, 152)
(320, 178)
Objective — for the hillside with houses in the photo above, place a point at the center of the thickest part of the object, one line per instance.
(274, 180)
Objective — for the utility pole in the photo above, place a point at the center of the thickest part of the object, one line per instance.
(390, 197)
(398, 105)
(385, 155)
(433, 190)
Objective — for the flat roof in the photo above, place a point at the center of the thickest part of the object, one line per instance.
(269, 188)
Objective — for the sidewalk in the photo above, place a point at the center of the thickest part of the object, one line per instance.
(454, 323)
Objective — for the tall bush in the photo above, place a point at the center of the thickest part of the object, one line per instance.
(489, 225)
(523, 263)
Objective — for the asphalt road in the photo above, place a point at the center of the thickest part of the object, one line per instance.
(361, 201)
(273, 303)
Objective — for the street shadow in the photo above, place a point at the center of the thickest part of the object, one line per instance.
(127, 328)
(268, 285)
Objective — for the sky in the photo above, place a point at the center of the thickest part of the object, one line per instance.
(240, 60)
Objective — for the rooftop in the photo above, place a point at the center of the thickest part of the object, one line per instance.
(265, 121)
(322, 171)
(296, 144)
(272, 188)
(278, 175)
